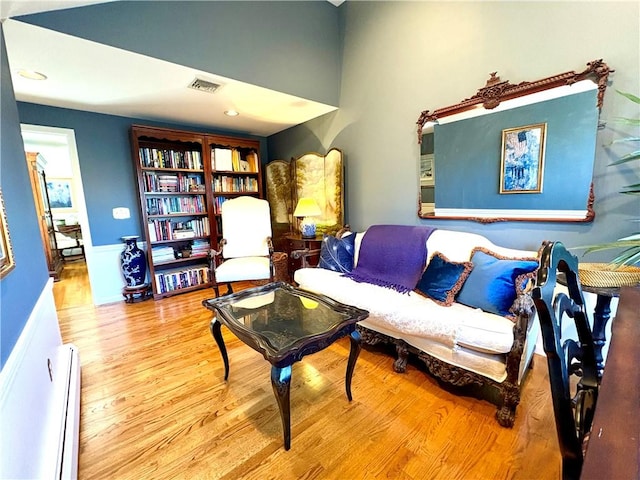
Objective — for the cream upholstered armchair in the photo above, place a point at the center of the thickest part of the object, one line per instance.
(246, 251)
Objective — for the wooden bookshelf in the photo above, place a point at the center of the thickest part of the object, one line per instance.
(181, 191)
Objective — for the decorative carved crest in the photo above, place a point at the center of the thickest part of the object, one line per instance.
(496, 91)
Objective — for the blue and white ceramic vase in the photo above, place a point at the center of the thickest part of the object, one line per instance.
(133, 263)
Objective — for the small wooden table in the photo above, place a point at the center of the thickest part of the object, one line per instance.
(614, 443)
(284, 324)
(293, 241)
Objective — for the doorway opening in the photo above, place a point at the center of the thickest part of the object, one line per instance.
(57, 146)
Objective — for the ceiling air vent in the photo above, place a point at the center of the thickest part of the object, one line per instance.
(204, 86)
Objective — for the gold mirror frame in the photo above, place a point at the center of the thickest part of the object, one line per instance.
(7, 262)
(497, 91)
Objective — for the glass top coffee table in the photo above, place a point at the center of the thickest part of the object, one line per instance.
(284, 324)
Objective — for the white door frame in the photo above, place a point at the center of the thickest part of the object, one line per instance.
(83, 219)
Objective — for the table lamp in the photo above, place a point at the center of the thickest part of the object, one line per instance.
(307, 208)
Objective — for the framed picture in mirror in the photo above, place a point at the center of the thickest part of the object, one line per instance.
(522, 159)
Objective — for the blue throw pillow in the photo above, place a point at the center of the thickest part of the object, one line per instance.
(337, 253)
(443, 279)
(493, 282)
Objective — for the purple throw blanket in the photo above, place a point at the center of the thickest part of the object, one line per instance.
(392, 256)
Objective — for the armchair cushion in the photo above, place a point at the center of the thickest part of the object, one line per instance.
(236, 269)
(443, 279)
(337, 253)
(493, 283)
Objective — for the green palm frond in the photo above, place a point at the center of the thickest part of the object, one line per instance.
(630, 96)
(632, 189)
(627, 158)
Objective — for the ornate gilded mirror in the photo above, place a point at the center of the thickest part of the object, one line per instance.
(514, 152)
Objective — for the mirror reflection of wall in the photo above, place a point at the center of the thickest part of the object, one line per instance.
(427, 174)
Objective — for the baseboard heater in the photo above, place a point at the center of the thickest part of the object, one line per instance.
(67, 458)
(40, 414)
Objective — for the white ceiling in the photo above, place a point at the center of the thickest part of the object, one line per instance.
(89, 76)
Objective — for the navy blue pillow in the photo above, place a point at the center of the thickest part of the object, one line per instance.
(492, 284)
(443, 279)
(337, 253)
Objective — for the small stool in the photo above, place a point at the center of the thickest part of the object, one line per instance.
(137, 293)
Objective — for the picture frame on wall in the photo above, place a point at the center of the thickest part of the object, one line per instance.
(60, 192)
(522, 159)
(7, 262)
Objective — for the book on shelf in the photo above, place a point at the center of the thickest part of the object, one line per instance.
(222, 159)
(180, 234)
(153, 237)
(252, 160)
(235, 160)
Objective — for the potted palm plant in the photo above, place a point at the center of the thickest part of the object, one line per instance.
(624, 265)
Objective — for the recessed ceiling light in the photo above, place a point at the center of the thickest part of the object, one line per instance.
(32, 74)
(231, 113)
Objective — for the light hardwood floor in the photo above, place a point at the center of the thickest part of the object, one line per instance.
(154, 405)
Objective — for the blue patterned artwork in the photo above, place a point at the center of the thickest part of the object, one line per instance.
(522, 162)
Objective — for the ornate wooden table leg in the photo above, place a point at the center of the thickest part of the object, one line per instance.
(601, 315)
(353, 356)
(281, 383)
(214, 326)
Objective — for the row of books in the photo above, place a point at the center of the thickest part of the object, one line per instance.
(167, 230)
(161, 158)
(176, 279)
(224, 183)
(154, 182)
(176, 205)
(217, 204)
(230, 160)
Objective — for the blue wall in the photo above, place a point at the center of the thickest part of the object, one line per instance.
(21, 287)
(292, 47)
(106, 166)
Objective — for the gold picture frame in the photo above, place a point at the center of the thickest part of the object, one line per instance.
(7, 262)
(522, 159)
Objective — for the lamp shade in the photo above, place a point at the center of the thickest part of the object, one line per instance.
(307, 207)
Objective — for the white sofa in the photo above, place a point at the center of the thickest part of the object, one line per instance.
(459, 344)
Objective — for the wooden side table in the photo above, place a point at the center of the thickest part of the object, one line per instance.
(292, 241)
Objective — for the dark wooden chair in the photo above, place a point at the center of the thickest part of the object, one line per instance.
(572, 364)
